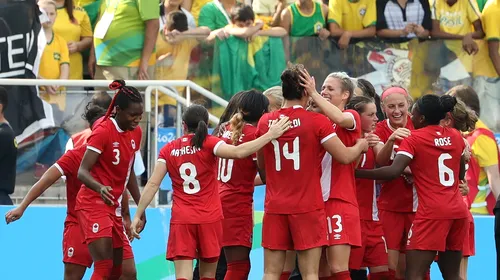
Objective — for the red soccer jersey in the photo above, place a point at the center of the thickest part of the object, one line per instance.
(196, 197)
(337, 180)
(293, 161)
(116, 150)
(236, 177)
(395, 195)
(68, 165)
(366, 190)
(436, 153)
(81, 137)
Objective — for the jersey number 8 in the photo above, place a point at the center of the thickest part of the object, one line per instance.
(294, 155)
(191, 185)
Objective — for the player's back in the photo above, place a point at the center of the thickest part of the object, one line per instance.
(293, 161)
(236, 177)
(68, 165)
(436, 153)
(366, 189)
(193, 172)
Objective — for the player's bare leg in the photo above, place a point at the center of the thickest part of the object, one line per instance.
(393, 260)
(449, 264)
(463, 267)
(338, 260)
(418, 262)
(101, 251)
(290, 260)
(309, 263)
(324, 269)
(238, 262)
(274, 262)
(116, 272)
(129, 272)
(208, 268)
(183, 269)
(401, 266)
(74, 271)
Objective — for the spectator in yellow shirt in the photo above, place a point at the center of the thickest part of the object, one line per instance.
(73, 25)
(55, 58)
(352, 19)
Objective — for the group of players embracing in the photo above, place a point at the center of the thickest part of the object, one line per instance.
(321, 156)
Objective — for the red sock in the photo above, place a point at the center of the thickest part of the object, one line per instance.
(344, 275)
(285, 275)
(102, 270)
(327, 278)
(116, 272)
(385, 275)
(427, 275)
(399, 278)
(392, 274)
(238, 270)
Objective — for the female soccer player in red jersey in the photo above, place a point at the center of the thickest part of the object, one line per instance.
(105, 171)
(373, 252)
(435, 156)
(396, 215)
(464, 119)
(195, 226)
(76, 256)
(236, 184)
(294, 214)
(337, 179)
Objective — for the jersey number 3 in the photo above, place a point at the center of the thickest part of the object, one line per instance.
(294, 155)
(190, 185)
(446, 175)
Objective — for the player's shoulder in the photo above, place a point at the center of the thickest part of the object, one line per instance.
(249, 129)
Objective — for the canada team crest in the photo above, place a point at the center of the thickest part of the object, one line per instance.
(133, 144)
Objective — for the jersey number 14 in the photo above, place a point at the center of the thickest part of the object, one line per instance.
(293, 155)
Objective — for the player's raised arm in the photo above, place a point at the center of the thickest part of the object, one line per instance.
(387, 172)
(148, 194)
(48, 179)
(276, 129)
(341, 153)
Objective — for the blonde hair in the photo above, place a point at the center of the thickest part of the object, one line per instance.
(44, 3)
(236, 126)
(464, 118)
(408, 97)
(276, 93)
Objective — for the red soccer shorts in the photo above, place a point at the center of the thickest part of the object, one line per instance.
(469, 248)
(373, 251)
(97, 224)
(396, 226)
(343, 226)
(294, 231)
(237, 231)
(74, 249)
(192, 241)
(438, 235)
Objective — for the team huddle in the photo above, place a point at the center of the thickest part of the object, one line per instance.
(321, 156)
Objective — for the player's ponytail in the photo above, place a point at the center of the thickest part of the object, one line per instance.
(237, 124)
(464, 118)
(196, 118)
(434, 108)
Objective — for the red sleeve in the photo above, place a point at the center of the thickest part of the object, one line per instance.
(98, 139)
(357, 121)
(164, 152)
(407, 147)
(212, 143)
(67, 164)
(380, 131)
(324, 128)
(262, 126)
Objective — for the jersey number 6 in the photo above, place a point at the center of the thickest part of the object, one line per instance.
(446, 175)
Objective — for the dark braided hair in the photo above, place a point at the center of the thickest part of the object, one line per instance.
(123, 96)
(434, 108)
(290, 82)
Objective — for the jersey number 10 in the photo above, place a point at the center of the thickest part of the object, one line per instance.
(294, 155)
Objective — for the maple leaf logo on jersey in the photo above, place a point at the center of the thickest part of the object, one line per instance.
(438, 133)
(133, 144)
(184, 139)
(116, 144)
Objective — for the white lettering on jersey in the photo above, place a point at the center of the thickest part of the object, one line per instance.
(293, 123)
(188, 150)
(443, 141)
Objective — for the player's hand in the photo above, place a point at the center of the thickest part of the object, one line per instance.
(106, 195)
(463, 187)
(142, 223)
(363, 143)
(127, 224)
(308, 82)
(14, 215)
(372, 139)
(134, 228)
(277, 128)
(409, 179)
(467, 152)
(400, 134)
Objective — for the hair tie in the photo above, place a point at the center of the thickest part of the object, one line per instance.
(115, 85)
(392, 90)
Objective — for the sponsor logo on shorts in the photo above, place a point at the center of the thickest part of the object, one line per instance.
(95, 228)
(337, 236)
(71, 251)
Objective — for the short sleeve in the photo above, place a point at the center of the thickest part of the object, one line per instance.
(381, 21)
(485, 151)
(148, 9)
(86, 28)
(324, 128)
(212, 143)
(164, 152)
(473, 11)
(434, 11)
(370, 18)
(207, 16)
(491, 25)
(407, 148)
(98, 140)
(67, 164)
(64, 51)
(262, 127)
(335, 12)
